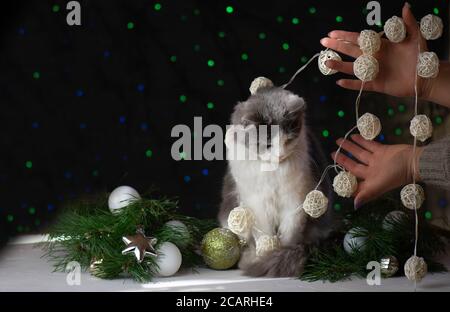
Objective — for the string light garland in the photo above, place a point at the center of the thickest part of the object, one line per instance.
(365, 68)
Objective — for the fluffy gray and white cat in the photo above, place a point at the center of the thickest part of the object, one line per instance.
(273, 196)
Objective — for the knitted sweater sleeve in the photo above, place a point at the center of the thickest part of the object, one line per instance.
(434, 163)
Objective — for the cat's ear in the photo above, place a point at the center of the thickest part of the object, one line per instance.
(295, 104)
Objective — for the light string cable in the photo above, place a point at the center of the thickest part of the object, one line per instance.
(301, 69)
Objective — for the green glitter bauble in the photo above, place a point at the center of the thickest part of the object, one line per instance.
(220, 249)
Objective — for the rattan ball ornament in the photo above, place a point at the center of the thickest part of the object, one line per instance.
(428, 65)
(240, 220)
(345, 184)
(325, 56)
(431, 27)
(260, 82)
(421, 127)
(415, 268)
(366, 67)
(315, 204)
(369, 41)
(395, 29)
(369, 126)
(266, 243)
(412, 196)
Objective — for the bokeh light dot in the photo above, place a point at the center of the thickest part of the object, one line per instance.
(55, 8)
(428, 215)
(36, 75)
(279, 19)
(122, 119)
(29, 164)
(281, 69)
(438, 120)
(312, 10)
(173, 58)
(398, 131)
(436, 11)
(205, 172)
(220, 82)
(140, 87)
(244, 56)
(130, 25)
(31, 210)
(262, 36)
(157, 6)
(221, 34)
(285, 46)
(211, 63)
(337, 206)
(210, 105)
(10, 218)
(183, 98)
(339, 19)
(187, 179)
(229, 9)
(149, 153)
(325, 133)
(391, 111)
(401, 108)
(341, 113)
(295, 21)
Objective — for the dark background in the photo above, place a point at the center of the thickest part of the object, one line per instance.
(87, 108)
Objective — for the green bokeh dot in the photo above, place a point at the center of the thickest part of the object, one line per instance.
(29, 164)
(337, 206)
(401, 108)
(173, 58)
(398, 131)
(183, 98)
(428, 215)
(157, 6)
(438, 120)
(221, 34)
(279, 19)
(36, 75)
(229, 9)
(390, 111)
(149, 153)
(220, 82)
(436, 11)
(262, 36)
(285, 46)
(312, 10)
(244, 56)
(95, 173)
(130, 25)
(339, 19)
(211, 63)
(55, 8)
(210, 105)
(325, 133)
(31, 210)
(295, 21)
(341, 113)
(10, 218)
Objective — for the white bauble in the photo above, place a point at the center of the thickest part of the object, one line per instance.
(315, 204)
(415, 268)
(168, 260)
(182, 230)
(345, 184)
(353, 242)
(260, 82)
(369, 126)
(412, 196)
(266, 244)
(366, 67)
(395, 29)
(369, 41)
(325, 56)
(431, 27)
(121, 197)
(428, 65)
(421, 127)
(392, 217)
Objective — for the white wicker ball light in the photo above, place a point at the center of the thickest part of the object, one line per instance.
(412, 196)
(421, 127)
(428, 65)
(240, 220)
(369, 126)
(395, 29)
(365, 67)
(369, 41)
(415, 268)
(266, 244)
(260, 82)
(325, 56)
(431, 27)
(315, 204)
(345, 184)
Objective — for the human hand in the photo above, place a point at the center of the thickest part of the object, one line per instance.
(397, 61)
(379, 168)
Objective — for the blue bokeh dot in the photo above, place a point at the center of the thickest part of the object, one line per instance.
(381, 137)
(443, 202)
(21, 31)
(140, 87)
(68, 175)
(205, 172)
(187, 179)
(323, 98)
(144, 126)
(50, 207)
(83, 125)
(122, 119)
(79, 93)
(35, 125)
(106, 53)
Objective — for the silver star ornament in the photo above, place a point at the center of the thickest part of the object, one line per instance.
(140, 245)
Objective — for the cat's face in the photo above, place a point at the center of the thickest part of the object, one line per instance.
(272, 107)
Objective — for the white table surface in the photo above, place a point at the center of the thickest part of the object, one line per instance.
(22, 268)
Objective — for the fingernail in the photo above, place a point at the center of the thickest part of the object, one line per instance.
(357, 205)
(338, 82)
(407, 5)
(323, 41)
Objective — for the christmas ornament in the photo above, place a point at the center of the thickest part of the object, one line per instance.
(391, 218)
(93, 267)
(389, 266)
(260, 82)
(325, 56)
(220, 249)
(353, 241)
(428, 65)
(369, 126)
(182, 230)
(365, 67)
(240, 220)
(345, 184)
(140, 245)
(421, 127)
(412, 196)
(168, 260)
(315, 203)
(121, 197)
(266, 243)
(415, 269)
(395, 29)
(369, 41)
(431, 27)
